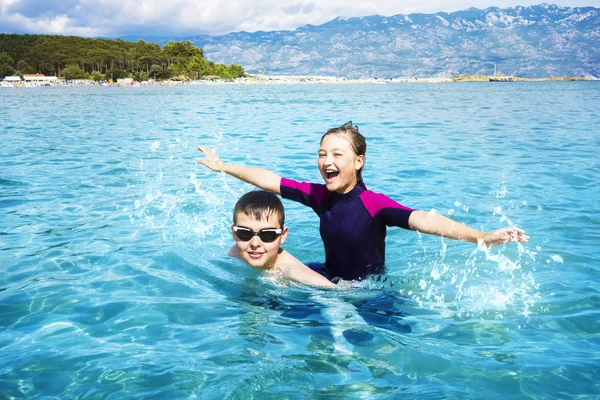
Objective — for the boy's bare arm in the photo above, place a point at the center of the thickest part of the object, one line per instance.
(297, 271)
(233, 251)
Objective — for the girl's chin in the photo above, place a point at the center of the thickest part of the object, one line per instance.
(331, 186)
(337, 189)
(331, 182)
(335, 185)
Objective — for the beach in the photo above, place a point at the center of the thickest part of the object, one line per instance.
(288, 80)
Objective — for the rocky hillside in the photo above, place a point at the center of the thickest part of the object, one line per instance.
(537, 41)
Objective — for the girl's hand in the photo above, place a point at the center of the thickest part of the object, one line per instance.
(212, 161)
(503, 235)
(259, 177)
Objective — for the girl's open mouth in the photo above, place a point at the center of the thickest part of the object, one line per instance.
(331, 174)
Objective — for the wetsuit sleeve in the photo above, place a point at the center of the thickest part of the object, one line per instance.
(389, 211)
(309, 194)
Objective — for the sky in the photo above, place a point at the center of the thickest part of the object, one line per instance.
(115, 18)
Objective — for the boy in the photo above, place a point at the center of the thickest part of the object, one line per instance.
(258, 232)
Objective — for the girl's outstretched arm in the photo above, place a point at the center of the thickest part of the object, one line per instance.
(437, 224)
(259, 177)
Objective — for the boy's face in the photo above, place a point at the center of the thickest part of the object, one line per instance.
(255, 252)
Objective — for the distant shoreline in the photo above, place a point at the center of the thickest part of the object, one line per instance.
(293, 80)
(286, 80)
(508, 78)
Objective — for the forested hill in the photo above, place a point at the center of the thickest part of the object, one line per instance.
(81, 58)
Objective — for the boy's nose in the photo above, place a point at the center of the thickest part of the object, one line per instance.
(255, 241)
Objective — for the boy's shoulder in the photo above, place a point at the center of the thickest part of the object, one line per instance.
(286, 260)
(296, 270)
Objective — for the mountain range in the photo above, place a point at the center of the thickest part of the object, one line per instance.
(538, 41)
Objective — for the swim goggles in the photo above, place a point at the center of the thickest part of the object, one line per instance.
(266, 235)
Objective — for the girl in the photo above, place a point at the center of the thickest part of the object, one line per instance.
(353, 218)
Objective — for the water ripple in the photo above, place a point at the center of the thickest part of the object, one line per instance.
(112, 244)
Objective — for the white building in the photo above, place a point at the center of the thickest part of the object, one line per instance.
(39, 78)
(12, 79)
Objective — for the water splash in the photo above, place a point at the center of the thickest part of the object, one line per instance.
(184, 206)
(168, 197)
(488, 285)
(483, 283)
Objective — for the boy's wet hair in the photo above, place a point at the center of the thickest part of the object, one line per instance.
(356, 139)
(259, 205)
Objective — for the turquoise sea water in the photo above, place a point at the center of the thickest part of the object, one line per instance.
(115, 284)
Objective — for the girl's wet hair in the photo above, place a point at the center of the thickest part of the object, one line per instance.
(356, 139)
(259, 205)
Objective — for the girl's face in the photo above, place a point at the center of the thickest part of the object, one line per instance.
(339, 164)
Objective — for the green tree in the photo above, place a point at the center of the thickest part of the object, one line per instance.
(6, 64)
(97, 76)
(50, 54)
(25, 67)
(38, 55)
(222, 71)
(74, 71)
(147, 53)
(177, 69)
(178, 52)
(98, 57)
(229, 72)
(199, 67)
(141, 76)
(116, 73)
(236, 71)
(156, 71)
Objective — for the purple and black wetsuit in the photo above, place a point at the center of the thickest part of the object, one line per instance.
(353, 225)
